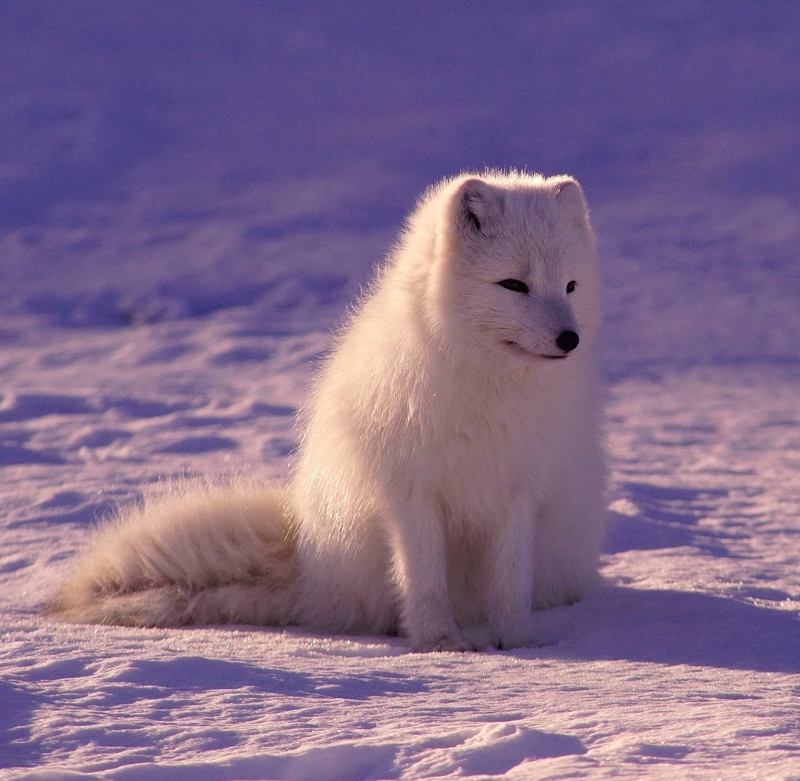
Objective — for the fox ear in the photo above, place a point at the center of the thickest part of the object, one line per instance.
(479, 208)
(570, 196)
(569, 193)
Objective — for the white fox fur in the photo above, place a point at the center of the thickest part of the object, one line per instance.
(450, 477)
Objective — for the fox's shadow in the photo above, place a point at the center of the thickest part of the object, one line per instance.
(676, 627)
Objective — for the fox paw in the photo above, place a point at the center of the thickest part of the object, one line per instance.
(508, 642)
(455, 642)
(515, 637)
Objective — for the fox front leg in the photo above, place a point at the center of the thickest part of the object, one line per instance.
(509, 586)
(420, 561)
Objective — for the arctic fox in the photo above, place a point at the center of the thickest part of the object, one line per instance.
(450, 478)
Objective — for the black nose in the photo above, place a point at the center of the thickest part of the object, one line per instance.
(567, 341)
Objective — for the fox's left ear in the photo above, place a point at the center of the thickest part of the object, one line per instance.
(570, 196)
(478, 208)
(569, 193)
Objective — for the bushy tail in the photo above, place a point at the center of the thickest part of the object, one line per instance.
(196, 554)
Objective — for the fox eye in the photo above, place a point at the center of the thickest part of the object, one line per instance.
(514, 284)
(570, 286)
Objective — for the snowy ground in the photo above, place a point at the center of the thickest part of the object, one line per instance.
(191, 193)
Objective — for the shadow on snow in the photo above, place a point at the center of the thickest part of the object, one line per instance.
(677, 627)
(665, 517)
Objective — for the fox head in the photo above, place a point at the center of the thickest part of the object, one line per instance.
(515, 270)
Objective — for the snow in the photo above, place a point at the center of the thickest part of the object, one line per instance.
(192, 193)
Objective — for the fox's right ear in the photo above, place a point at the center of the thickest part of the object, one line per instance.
(478, 208)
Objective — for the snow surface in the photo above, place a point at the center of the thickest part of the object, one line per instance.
(191, 194)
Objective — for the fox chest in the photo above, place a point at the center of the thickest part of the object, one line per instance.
(481, 469)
